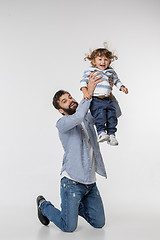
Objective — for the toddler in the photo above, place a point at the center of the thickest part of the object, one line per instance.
(103, 107)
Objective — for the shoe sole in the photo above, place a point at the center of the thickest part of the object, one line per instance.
(103, 139)
(112, 144)
(44, 220)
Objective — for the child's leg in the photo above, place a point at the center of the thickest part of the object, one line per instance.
(111, 118)
(98, 111)
(118, 109)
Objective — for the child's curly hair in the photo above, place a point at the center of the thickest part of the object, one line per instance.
(100, 52)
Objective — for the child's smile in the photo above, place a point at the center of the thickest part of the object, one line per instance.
(101, 63)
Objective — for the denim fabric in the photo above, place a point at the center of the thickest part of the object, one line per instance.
(118, 109)
(104, 114)
(77, 199)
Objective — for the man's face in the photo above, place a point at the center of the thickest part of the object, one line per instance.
(68, 105)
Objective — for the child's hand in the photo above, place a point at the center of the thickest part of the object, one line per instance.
(124, 89)
(87, 96)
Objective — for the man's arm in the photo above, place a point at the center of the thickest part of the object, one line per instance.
(70, 121)
(85, 93)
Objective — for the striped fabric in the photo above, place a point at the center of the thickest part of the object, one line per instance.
(102, 88)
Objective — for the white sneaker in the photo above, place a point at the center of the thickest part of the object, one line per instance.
(112, 140)
(103, 137)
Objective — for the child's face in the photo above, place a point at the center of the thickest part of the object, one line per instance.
(101, 63)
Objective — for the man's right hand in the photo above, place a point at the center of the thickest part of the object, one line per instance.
(94, 79)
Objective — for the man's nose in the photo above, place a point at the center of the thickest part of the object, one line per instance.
(70, 100)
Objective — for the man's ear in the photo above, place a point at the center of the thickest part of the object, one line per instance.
(61, 111)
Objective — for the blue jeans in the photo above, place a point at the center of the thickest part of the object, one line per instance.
(77, 199)
(104, 114)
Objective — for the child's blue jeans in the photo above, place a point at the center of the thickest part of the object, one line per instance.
(77, 199)
(104, 114)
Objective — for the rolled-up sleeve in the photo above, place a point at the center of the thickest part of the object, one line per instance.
(68, 122)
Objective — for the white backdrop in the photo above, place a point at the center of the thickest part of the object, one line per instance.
(42, 46)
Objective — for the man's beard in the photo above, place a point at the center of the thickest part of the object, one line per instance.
(70, 110)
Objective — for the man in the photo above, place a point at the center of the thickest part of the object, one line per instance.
(82, 159)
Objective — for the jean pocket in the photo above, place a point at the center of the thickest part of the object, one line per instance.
(66, 182)
(72, 182)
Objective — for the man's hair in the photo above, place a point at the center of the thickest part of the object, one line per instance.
(57, 97)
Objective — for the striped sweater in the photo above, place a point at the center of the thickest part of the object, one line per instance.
(103, 88)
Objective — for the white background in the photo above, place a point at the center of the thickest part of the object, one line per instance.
(42, 46)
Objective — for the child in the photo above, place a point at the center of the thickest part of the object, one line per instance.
(102, 106)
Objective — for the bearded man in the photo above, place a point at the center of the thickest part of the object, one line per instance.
(82, 160)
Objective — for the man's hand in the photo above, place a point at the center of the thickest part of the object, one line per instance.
(87, 96)
(124, 89)
(94, 79)
(111, 81)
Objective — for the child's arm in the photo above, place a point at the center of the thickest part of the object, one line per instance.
(118, 83)
(84, 85)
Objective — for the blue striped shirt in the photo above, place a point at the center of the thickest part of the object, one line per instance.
(103, 88)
